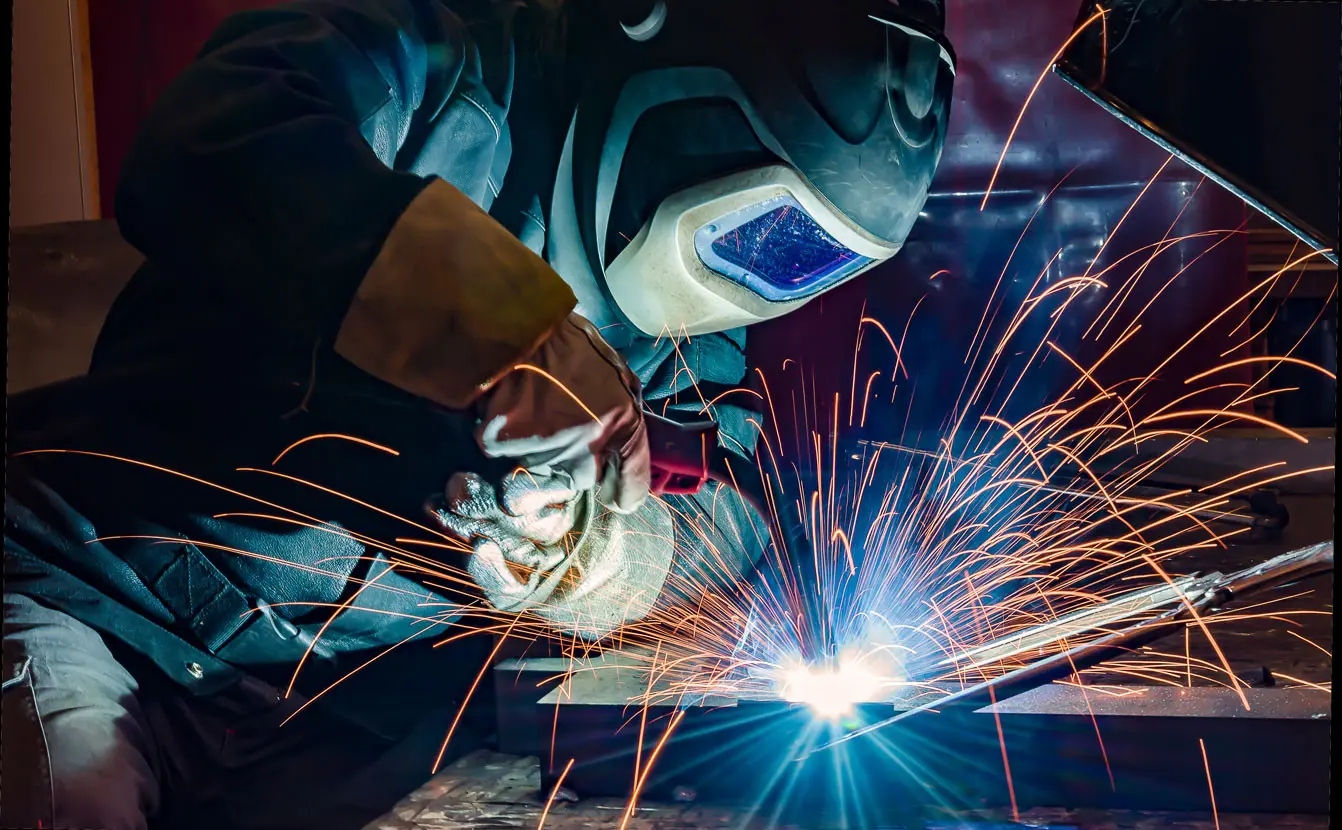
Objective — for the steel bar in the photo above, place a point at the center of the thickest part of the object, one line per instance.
(1225, 455)
(1132, 499)
(1206, 594)
(1270, 518)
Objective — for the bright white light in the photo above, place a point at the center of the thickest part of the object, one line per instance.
(831, 693)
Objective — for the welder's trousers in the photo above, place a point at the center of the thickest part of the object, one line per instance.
(88, 744)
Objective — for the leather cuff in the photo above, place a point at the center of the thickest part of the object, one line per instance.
(452, 302)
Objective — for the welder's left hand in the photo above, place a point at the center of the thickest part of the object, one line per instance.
(541, 545)
(572, 408)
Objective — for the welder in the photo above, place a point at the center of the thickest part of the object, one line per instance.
(400, 250)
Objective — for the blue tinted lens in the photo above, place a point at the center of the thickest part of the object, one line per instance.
(775, 249)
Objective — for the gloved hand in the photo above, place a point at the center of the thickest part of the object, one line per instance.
(543, 545)
(547, 424)
(720, 539)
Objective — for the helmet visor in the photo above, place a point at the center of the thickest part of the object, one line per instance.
(776, 249)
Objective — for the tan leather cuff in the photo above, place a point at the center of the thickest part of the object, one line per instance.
(452, 302)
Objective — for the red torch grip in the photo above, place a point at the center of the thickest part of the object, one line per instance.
(680, 453)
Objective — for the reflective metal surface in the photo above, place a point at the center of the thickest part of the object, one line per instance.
(1244, 91)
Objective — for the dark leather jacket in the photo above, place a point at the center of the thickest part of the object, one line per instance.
(334, 115)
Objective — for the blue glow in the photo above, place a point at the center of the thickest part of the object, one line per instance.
(776, 249)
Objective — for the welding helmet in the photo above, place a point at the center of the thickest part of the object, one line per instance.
(729, 160)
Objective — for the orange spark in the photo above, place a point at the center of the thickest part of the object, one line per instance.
(557, 382)
(1274, 360)
(559, 782)
(899, 361)
(489, 661)
(1211, 791)
(1099, 15)
(362, 441)
(312, 644)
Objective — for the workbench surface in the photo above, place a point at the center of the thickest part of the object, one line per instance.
(489, 791)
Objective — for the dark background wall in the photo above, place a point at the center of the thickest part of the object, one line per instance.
(958, 255)
(137, 47)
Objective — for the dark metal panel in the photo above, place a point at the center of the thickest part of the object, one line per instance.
(519, 684)
(960, 248)
(1272, 758)
(1246, 92)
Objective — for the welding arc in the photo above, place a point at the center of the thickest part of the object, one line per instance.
(1205, 595)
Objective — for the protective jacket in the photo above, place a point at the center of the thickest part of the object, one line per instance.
(289, 191)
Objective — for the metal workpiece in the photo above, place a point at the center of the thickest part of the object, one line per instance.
(526, 690)
(1022, 739)
(1138, 748)
(1204, 595)
(1280, 570)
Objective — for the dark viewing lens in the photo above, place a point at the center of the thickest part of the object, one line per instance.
(785, 248)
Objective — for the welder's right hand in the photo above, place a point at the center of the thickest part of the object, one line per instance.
(539, 545)
(575, 408)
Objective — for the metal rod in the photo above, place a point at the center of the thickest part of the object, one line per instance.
(1229, 517)
(1205, 594)
(1072, 624)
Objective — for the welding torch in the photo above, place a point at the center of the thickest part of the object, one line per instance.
(685, 456)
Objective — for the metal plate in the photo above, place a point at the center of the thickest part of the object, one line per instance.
(1060, 743)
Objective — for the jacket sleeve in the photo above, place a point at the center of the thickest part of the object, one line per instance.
(266, 173)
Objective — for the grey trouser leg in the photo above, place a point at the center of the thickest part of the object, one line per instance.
(77, 750)
(89, 745)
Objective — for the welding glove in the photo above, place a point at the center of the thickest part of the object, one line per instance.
(573, 408)
(719, 540)
(544, 545)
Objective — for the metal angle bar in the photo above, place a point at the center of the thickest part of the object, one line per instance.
(1069, 72)
(1209, 594)
(1070, 625)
